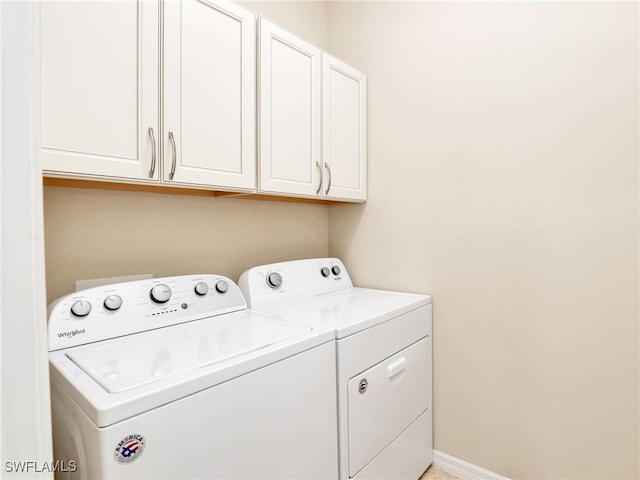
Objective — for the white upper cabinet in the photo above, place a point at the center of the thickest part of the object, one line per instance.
(290, 114)
(344, 132)
(209, 94)
(164, 92)
(313, 121)
(99, 87)
(101, 100)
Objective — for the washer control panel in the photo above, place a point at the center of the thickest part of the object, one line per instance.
(280, 282)
(121, 309)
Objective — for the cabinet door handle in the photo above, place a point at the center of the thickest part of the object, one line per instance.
(320, 183)
(173, 152)
(326, 192)
(152, 170)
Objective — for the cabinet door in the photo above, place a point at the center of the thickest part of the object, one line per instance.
(209, 94)
(290, 113)
(344, 112)
(99, 86)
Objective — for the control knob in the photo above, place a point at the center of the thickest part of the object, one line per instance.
(160, 293)
(324, 271)
(222, 286)
(274, 280)
(112, 302)
(336, 270)
(201, 288)
(81, 308)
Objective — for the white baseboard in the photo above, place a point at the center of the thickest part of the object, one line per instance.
(462, 469)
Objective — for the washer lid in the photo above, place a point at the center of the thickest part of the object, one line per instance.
(128, 362)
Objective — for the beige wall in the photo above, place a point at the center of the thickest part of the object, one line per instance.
(503, 173)
(94, 233)
(97, 233)
(306, 19)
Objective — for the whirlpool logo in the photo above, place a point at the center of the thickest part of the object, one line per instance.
(71, 333)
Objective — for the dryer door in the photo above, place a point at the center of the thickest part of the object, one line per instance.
(385, 399)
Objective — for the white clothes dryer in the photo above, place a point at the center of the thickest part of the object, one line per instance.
(383, 348)
(174, 378)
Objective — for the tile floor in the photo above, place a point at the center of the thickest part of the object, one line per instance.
(434, 473)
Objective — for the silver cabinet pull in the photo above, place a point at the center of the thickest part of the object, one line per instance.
(173, 151)
(152, 170)
(320, 183)
(326, 192)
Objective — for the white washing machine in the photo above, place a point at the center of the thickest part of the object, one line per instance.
(383, 348)
(174, 378)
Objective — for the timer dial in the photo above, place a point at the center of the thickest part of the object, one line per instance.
(160, 293)
(274, 280)
(336, 270)
(324, 271)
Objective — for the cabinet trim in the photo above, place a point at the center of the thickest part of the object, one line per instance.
(91, 183)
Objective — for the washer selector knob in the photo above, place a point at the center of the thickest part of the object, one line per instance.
(336, 270)
(160, 293)
(113, 302)
(81, 308)
(222, 286)
(201, 288)
(274, 280)
(324, 271)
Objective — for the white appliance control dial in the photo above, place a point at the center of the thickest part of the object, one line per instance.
(160, 293)
(336, 270)
(113, 302)
(81, 308)
(274, 280)
(324, 271)
(222, 286)
(201, 288)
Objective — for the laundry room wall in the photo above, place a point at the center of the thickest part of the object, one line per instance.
(503, 174)
(91, 233)
(306, 19)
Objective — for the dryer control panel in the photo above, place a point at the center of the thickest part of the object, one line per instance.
(120, 309)
(282, 282)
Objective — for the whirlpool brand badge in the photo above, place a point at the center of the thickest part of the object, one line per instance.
(71, 333)
(129, 448)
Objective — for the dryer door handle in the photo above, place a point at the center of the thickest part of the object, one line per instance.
(396, 367)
